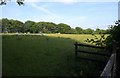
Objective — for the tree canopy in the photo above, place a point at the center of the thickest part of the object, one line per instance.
(114, 37)
(12, 26)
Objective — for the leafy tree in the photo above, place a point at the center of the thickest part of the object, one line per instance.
(88, 31)
(73, 31)
(98, 41)
(103, 31)
(10, 25)
(50, 27)
(79, 30)
(47, 27)
(40, 25)
(97, 31)
(28, 26)
(64, 28)
(6, 25)
(108, 30)
(114, 37)
(16, 26)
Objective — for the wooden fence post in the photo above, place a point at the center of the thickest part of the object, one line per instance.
(76, 48)
(118, 61)
(114, 50)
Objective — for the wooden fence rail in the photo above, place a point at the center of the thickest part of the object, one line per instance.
(109, 70)
(89, 52)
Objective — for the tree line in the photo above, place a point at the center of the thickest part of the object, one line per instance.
(13, 26)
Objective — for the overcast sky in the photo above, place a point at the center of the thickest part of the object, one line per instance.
(74, 13)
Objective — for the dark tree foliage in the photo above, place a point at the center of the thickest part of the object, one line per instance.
(2, 2)
(29, 26)
(79, 30)
(114, 37)
(64, 28)
(19, 2)
(111, 40)
(12, 26)
(97, 41)
(88, 31)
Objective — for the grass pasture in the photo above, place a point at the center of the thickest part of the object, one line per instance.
(49, 55)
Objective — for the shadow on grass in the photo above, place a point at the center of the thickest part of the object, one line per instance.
(35, 55)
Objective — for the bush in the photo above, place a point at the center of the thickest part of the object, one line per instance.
(97, 41)
(114, 37)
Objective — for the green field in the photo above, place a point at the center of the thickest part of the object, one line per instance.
(49, 55)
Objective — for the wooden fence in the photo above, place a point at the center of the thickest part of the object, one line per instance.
(109, 70)
(77, 50)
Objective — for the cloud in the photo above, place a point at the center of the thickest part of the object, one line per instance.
(71, 1)
(49, 16)
(82, 18)
(68, 1)
(32, 0)
(41, 8)
(44, 8)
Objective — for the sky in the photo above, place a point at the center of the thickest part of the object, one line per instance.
(75, 13)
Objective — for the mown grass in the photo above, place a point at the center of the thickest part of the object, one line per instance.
(79, 38)
(50, 55)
